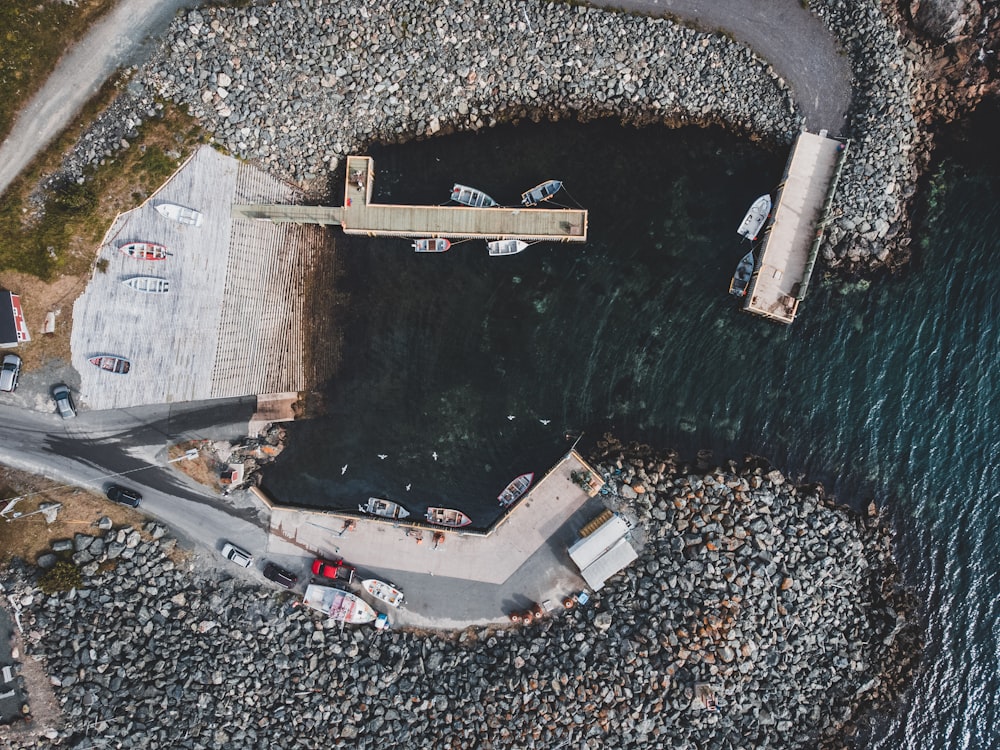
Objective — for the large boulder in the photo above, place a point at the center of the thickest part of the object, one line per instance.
(945, 20)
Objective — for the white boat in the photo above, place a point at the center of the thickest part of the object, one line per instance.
(471, 197)
(384, 591)
(434, 245)
(541, 192)
(338, 604)
(144, 251)
(148, 284)
(754, 220)
(376, 506)
(447, 517)
(180, 214)
(111, 363)
(515, 489)
(506, 247)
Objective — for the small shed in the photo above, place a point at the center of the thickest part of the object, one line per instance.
(13, 329)
(604, 552)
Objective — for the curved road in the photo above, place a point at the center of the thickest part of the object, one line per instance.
(795, 43)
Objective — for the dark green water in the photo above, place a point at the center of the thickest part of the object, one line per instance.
(888, 392)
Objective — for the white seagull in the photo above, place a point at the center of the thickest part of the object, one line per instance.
(544, 421)
(383, 456)
(511, 417)
(343, 470)
(408, 487)
(434, 455)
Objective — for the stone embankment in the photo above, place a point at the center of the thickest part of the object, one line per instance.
(749, 592)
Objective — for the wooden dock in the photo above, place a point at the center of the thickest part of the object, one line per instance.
(359, 216)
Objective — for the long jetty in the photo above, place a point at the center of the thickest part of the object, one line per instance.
(360, 216)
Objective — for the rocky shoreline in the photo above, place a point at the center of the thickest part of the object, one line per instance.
(749, 592)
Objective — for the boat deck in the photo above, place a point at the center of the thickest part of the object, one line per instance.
(792, 240)
(360, 216)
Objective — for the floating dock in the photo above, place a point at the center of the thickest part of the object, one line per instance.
(359, 216)
(791, 242)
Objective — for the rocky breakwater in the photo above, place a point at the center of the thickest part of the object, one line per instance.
(749, 594)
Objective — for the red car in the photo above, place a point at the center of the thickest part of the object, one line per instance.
(335, 569)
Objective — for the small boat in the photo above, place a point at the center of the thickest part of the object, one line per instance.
(506, 247)
(540, 193)
(148, 284)
(111, 363)
(180, 214)
(338, 604)
(435, 245)
(384, 591)
(515, 489)
(447, 517)
(144, 251)
(376, 506)
(751, 225)
(471, 197)
(741, 279)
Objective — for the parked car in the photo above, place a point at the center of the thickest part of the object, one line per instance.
(333, 569)
(123, 495)
(9, 372)
(64, 401)
(276, 573)
(237, 555)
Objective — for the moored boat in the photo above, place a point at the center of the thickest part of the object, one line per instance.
(447, 517)
(377, 506)
(111, 363)
(741, 279)
(471, 197)
(541, 192)
(755, 217)
(337, 604)
(384, 591)
(515, 489)
(432, 245)
(506, 247)
(148, 284)
(144, 251)
(180, 214)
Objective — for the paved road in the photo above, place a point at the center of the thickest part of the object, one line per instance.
(785, 34)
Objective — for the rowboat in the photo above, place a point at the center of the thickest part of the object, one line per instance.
(741, 279)
(755, 217)
(338, 604)
(111, 363)
(506, 247)
(541, 192)
(435, 245)
(180, 214)
(515, 489)
(376, 506)
(144, 251)
(447, 517)
(148, 284)
(384, 591)
(471, 197)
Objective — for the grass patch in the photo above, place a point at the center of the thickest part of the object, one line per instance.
(33, 36)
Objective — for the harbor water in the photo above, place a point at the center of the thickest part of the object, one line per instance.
(461, 371)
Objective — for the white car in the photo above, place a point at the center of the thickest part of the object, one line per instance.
(239, 556)
(9, 371)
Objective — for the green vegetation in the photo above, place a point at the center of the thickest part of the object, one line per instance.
(62, 577)
(33, 35)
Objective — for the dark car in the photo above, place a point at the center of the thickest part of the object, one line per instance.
(64, 401)
(123, 495)
(279, 575)
(333, 569)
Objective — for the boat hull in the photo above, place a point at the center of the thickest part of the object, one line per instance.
(754, 220)
(506, 247)
(468, 196)
(435, 245)
(542, 192)
(148, 284)
(377, 506)
(513, 491)
(448, 517)
(383, 591)
(144, 251)
(180, 214)
(111, 363)
(338, 605)
(741, 279)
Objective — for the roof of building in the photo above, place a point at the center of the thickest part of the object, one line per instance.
(605, 552)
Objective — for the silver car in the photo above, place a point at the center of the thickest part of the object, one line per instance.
(64, 401)
(239, 556)
(9, 371)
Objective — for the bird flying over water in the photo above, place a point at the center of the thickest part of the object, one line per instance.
(343, 470)
(408, 487)
(434, 455)
(383, 456)
(544, 421)
(511, 417)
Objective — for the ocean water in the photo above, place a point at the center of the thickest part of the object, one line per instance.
(884, 391)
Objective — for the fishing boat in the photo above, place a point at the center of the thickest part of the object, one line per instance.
(506, 247)
(541, 192)
(144, 251)
(111, 363)
(180, 214)
(471, 197)
(376, 506)
(741, 279)
(434, 245)
(754, 220)
(515, 489)
(148, 284)
(384, 591)
(337, 604)
(447, 517)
